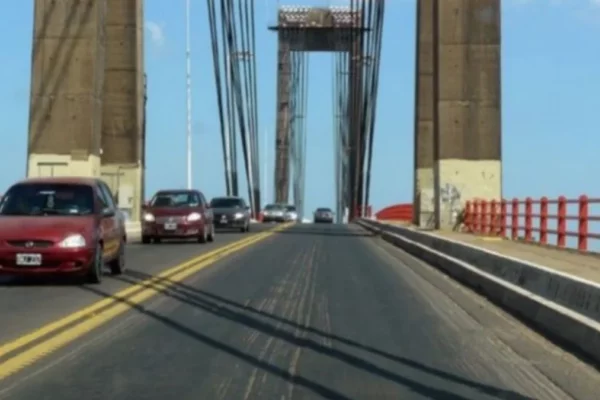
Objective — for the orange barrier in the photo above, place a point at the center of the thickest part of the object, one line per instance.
(396, 212)
(521, 219)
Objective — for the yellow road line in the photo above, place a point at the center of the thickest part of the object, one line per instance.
(54, 343)
(90, 313)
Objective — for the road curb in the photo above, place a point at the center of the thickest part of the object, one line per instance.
(563, 307)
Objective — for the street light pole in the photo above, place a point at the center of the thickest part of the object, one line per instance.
(265, 167)
(188, 92)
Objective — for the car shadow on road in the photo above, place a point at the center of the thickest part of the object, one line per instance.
(255, 319)
(45, 281)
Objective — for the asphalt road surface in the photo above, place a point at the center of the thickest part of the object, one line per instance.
(311, 312)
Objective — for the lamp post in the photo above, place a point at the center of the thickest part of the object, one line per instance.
(188, 92)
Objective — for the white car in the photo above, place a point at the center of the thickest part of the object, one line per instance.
(291, 214)
(274, 213)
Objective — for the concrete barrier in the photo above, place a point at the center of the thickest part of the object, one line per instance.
(134, 229)
(564, 307)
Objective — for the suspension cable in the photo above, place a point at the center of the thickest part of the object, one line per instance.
(217, 72)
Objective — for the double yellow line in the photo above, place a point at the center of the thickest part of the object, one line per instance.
(58, 334)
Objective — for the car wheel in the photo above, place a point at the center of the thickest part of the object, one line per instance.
(157, 240)
(248, 226)
(204, 236)
(211, 235)
(146, 239)
(244, 228)
(117, 266)
(94, 274)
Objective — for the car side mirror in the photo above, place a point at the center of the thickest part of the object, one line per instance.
(247, 208)
(108, 212)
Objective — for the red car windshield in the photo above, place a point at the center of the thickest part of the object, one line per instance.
(40, 199)
(175, 199)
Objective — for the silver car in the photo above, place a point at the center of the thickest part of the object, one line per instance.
(324, 215)
(274, 213)
(231, 213)
(291, 214)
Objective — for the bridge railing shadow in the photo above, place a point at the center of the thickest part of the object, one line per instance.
(267, 324)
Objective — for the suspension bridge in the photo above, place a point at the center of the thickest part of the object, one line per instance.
(457, 293)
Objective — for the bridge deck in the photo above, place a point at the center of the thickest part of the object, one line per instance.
(583, 265)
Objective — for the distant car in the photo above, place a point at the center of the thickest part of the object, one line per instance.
(274, 213)
(61, 226)
(231, 212)
(178, 214)
(323, 215)
(291, 214)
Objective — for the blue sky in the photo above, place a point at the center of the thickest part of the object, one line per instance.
(550, 87)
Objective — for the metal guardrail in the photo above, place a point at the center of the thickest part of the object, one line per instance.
(537, 220)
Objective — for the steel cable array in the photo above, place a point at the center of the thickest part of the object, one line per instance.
(358, 101)
(233, 42)
(340, 128)
(297, 125)
(372, 53)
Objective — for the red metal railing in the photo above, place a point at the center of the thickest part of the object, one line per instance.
(524, 219)
(396, 212)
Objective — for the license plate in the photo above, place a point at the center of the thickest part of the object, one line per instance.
(170, 226)
(29, 259)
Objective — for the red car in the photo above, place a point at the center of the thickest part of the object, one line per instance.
(61, 226)
(178, 214)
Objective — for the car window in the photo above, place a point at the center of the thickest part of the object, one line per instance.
(272, 207)
(290, 208)
(202, 200)
(101, 197)
(108, 196)
(323, 209)
(227, 202)
(41, 199)
(175, 199)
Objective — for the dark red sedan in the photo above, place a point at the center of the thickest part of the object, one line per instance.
(61, 226)
(178, 214)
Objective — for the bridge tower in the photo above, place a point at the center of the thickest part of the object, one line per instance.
(87, 94)
(311, 29)
(123, 133)
(458, 108)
